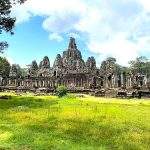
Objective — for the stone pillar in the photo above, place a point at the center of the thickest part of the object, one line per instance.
(130, 82)
(24, 83)
(48, 82)
(113, 81)
(75, 82)
(42, 83)
(81, 82)
(15, 82)
(121, 79)
(106, 82)
(145, 80)
(116, 81)
(1, 80)
(27, 84)
(39, 83)
(127, 82)
(9, 82)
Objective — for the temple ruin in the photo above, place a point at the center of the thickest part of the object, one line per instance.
(71, 70)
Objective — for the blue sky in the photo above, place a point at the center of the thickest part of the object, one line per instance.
(117, 28)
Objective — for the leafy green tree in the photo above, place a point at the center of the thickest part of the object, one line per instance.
(33, 68)
(109, 66)
(24, 72)
(140, 65)
(4, 67)
(16, 70)
(6, 21)
(19, 71)
(61, 91)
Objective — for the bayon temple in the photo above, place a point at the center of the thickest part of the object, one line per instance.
(71, 70)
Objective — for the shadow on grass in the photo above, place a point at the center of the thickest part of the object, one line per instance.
(31, 102)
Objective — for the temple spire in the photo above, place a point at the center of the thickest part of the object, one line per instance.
(72, 43)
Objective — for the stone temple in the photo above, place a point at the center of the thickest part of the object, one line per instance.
(71, 70)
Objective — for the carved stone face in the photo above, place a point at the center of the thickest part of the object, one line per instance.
(45, 63)
(72, 44)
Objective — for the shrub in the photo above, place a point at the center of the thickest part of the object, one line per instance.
(61, 91)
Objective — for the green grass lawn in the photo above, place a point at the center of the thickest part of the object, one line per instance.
(47, 122)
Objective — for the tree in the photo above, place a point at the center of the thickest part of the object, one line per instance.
(61, 91)
(23, 72)
(19, 71)
(4, 67)
(6, 21)
(140, 65)
(34, 67)
(16, 70)
(109, 66)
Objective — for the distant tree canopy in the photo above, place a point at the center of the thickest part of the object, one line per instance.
(33, 68)
(16, 70)
(4, 67)
(109, 65)
(6, 21)
(140, 65)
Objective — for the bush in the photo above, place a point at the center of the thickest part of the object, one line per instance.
(61, 91)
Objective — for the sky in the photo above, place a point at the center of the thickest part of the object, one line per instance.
(102, 28)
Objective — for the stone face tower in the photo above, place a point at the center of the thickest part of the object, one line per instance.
(72, 58)
(72, 51)
(72, 44)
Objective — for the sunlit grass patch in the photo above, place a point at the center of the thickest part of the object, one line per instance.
(49, 122)
(5, 135)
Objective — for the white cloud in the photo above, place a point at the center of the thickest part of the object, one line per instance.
(55, 36)
(120, 48)
(75, 35)
(145, 4)
(119, 28)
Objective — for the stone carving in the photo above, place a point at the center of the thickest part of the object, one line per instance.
(45, 63)
(72, 59)
(44, 67)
